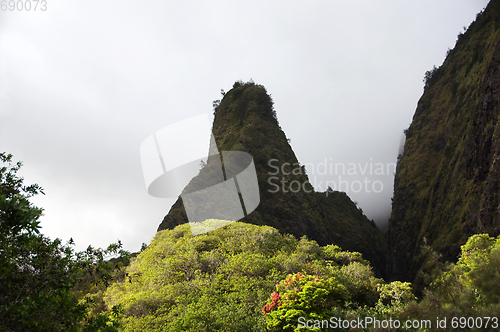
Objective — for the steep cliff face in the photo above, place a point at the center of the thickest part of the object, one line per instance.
(448, 177)
(246, 121)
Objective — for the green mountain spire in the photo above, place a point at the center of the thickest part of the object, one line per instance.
(245, 120)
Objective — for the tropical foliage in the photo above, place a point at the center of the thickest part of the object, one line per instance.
(468, 288)
(221, 281)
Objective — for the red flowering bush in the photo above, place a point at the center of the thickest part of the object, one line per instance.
(275, 298)
(302, 295)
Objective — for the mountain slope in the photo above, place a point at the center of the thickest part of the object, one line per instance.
(246, 121)
(448, 177)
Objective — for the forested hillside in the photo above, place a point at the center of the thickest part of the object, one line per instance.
(448, 181)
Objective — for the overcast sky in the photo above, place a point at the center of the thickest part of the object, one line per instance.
(84, 83)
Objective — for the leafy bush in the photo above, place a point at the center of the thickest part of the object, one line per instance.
(302, 295)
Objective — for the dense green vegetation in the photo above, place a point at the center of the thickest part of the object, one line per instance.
(468, 288)
(447, 180)
(465, 295)
(220, 281)
(244, 277)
